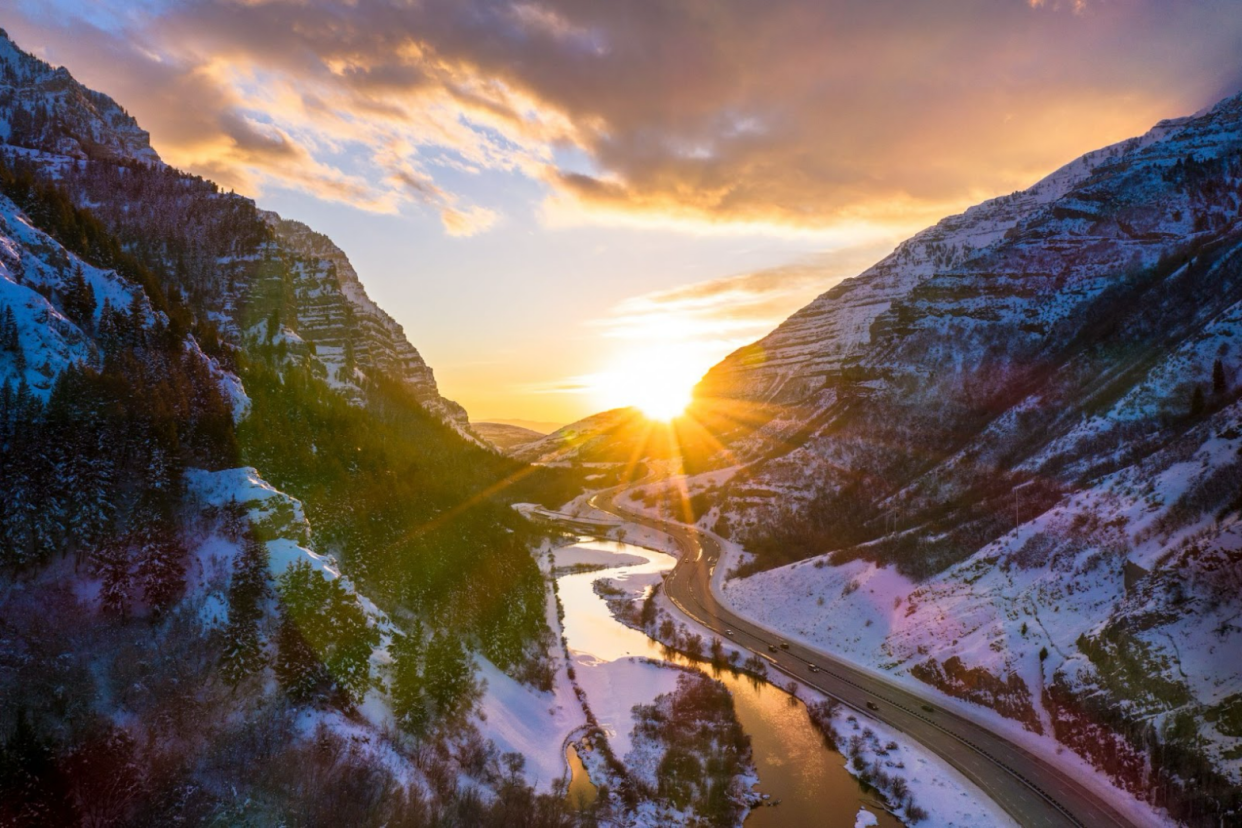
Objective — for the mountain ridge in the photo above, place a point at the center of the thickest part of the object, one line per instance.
(244, 541)
(82, 126)
(1017, 462)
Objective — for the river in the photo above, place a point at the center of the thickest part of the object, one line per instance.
(795, 767)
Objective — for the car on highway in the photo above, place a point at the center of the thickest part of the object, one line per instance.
(812, 668)
(872, 706)
(927, 708)
(784, 645)
(729, 633)
(771, 648)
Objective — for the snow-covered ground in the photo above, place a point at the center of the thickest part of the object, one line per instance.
(613, 688)
(880, 598)
(282, 516)
(537, 724)
(521, 719)
(583, 555)
(951, 800)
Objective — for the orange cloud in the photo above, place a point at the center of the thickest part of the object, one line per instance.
(776, 114)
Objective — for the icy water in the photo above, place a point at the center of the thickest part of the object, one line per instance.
(795, 767)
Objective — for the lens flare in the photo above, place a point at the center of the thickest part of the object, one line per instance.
(655, 381)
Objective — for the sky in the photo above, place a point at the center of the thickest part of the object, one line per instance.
(567, 201)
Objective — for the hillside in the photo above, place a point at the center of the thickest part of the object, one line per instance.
(1012, 447)
(505, 437)
(251, 561)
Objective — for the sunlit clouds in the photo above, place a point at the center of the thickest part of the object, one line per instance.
(773, 114)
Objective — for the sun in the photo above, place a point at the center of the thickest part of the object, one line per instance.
(661, 400)
(656, 381)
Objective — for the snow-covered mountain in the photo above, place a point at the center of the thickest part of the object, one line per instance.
(244, 542)
(220, 242)
(795, 362)
(1012, 447)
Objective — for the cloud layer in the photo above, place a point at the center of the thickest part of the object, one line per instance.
(775, 113)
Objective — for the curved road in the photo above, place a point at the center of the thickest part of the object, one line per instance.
(1033, 791)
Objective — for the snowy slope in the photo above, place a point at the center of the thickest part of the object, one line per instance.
(1008, 455)
(34, 275)
(791, 364)
(234, 256)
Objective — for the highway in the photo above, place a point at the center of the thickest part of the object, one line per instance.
(1032, 790)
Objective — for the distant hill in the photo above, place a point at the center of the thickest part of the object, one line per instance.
(504, 436)
(540, 427)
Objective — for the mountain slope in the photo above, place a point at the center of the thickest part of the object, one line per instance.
(230, 562)
(348, 329)
(242, 266)
(1011, 448)
(795, 361)
(46, 109)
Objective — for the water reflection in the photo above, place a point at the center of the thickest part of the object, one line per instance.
(582, 792)
(795, 767)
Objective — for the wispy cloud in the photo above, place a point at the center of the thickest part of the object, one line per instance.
(728, 312)
(670, 338)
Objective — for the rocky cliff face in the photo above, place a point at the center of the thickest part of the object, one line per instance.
(948, 343)
(798, 360)
(44, 108)
(351, 333)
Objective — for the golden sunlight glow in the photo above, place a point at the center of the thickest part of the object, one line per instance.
(657, 381)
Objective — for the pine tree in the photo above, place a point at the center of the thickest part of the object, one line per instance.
(1219, 385)
(299, 671)
(410, 704)
(79, 299)
(109, 334)
(8, 331)
(111, 561)
(333, 624)
(243, 651)
(448, 675)
(94, 508)
(19, 357)
(161, 561)
(1197, 402)
(26, 480)
(234, 523)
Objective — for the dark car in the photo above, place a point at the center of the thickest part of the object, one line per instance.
(927, 708)
(812, 668)
(872, 706)
(784, 645)
(771, 648)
